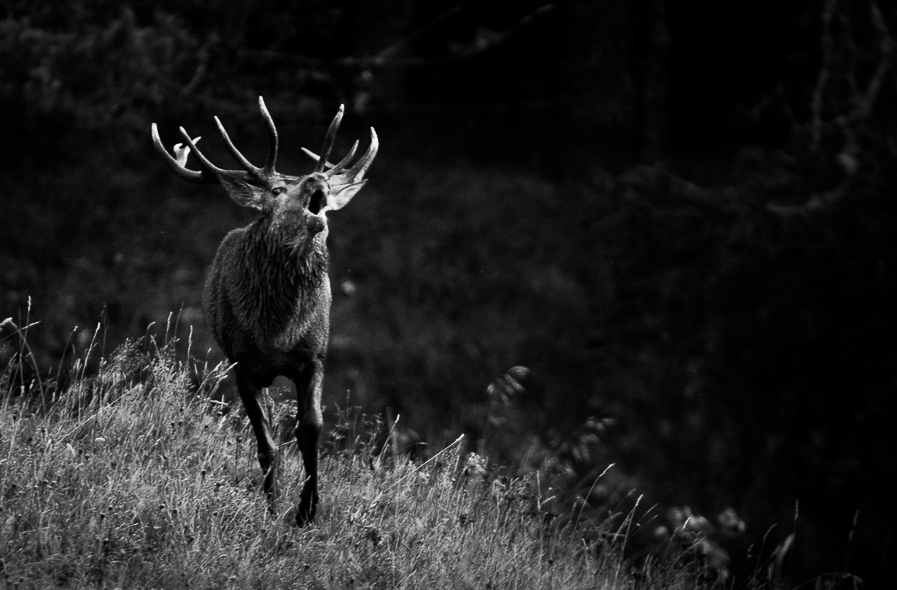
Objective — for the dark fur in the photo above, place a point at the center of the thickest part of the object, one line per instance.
(267, 298)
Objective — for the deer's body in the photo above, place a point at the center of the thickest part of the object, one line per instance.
(267, 295)
(265, 301)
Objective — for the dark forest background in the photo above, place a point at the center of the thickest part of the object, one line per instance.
(681, 217)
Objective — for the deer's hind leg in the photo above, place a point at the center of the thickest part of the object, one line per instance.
(308, 430)
(258, 409)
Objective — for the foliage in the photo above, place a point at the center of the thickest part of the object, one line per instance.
(670, 332)
(726, 347)
(133, 480)
(841, 123)
(85, 69)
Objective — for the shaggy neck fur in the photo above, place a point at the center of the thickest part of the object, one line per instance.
(281, 269)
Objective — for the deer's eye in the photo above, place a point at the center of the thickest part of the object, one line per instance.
(279, 190)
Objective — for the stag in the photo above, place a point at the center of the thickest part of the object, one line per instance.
(267, 294)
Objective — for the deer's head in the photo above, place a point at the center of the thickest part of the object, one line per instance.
(296, 201)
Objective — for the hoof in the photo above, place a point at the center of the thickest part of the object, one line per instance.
(308, 505)
(305, 515)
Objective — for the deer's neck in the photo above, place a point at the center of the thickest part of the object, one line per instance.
(283, 274)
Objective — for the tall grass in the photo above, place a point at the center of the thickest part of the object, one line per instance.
(135, 477)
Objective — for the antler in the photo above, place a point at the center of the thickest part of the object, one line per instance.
(338, 173)
(211, 173)
(179, 161)
(268, 169)
(330, 138)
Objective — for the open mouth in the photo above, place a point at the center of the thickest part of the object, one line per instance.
(317, 201)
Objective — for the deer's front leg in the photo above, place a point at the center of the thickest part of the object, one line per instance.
(255, 400)
(308, 431)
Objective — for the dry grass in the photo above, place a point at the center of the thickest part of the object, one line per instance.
(134, 478)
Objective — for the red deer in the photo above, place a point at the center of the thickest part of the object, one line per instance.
(267, 294)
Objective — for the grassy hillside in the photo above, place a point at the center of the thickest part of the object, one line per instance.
(133, 477)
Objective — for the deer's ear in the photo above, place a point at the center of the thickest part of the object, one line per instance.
(340, 198)
(244, 193)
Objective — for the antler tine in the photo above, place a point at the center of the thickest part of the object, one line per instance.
(272, 138)
(176, 166)
(357, 171)
(316, 157)
(330, 138)
(235, 152)
(206, 164)
(333, 168)
(342, 163)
